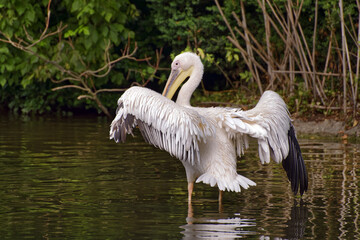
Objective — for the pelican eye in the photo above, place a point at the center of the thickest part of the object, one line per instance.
(177, 64)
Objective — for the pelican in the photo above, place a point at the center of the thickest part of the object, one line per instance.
(207, 141)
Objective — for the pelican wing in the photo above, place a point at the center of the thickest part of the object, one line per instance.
(162, 123)
(270, 124)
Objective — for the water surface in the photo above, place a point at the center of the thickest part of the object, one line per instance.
(62, 178)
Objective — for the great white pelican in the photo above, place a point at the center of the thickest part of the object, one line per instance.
(207, 141)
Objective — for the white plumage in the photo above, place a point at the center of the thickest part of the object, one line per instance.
(207, 140)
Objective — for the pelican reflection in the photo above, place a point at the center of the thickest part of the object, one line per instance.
(219, 225)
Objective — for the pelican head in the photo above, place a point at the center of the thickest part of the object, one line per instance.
(184, 65)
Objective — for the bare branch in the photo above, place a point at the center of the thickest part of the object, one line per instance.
(125, 55)
(69, 86)
(85, 96)
(155, 67)
(65, 79)
(111, 90)
(310, 73)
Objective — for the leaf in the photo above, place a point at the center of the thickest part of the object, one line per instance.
(2, 58)
(121, 17)
(34, 59)
(118, 78)
(24, 68)
(130, 34)
(26, 81)
(84, 30)
(76, 5)
(118, 27)
(69, 33)
(4, 50)
(201, 53)
(108, 16)
(150, 70)
(105, 31)
(87, 44)
(9, 67)
(113, 37)
(2, 80)
(236, 57)
(94, 36)
(30, 15)
(21, 8)
(229, 58)
(355, 123)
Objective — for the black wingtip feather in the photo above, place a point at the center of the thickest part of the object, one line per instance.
(294, 165)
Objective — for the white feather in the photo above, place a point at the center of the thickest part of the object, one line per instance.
(206, 140)
(269, 122)
(174, 125)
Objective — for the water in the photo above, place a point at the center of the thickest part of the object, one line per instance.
(62, 178)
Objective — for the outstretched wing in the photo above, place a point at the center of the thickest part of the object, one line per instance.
(162, 123)
(270, 124)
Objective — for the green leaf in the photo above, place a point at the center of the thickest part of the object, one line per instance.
(113, 37)
(26, 81)
(85, 30)
(108, 16)
(2, 58)
(236, 57)
(118, 27)
(2, 80)
(10, 67)
(76, 5)
(69, 33)
(21, 8)
(129, 34)
(105, 31)
(88, 44)
(201, 53)
(118, 78)
(24, 68)
(30, 15)
(94, 36)
(4, 49)
(150, 70)
(229, 57)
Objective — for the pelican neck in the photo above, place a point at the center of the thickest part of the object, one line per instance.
(192, 83)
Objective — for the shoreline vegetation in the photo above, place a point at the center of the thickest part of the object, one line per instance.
(77, 56)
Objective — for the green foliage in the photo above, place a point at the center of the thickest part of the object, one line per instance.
(246, 76)
(91, 26)
(193, 25)
(35, 98)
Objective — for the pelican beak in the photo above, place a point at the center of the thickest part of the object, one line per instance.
(177, 76)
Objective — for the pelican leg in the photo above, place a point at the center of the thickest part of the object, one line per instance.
(220, 196)
(190, 216)
(190, 191)
(220, 200)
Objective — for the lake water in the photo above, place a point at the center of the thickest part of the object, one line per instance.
(62, 178)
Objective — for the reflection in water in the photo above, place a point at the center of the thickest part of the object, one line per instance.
(63, 178)
(297, 224)
(334, 192)
(217, 226)
(223, 226)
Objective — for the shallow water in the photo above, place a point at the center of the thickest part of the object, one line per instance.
(62, 178)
